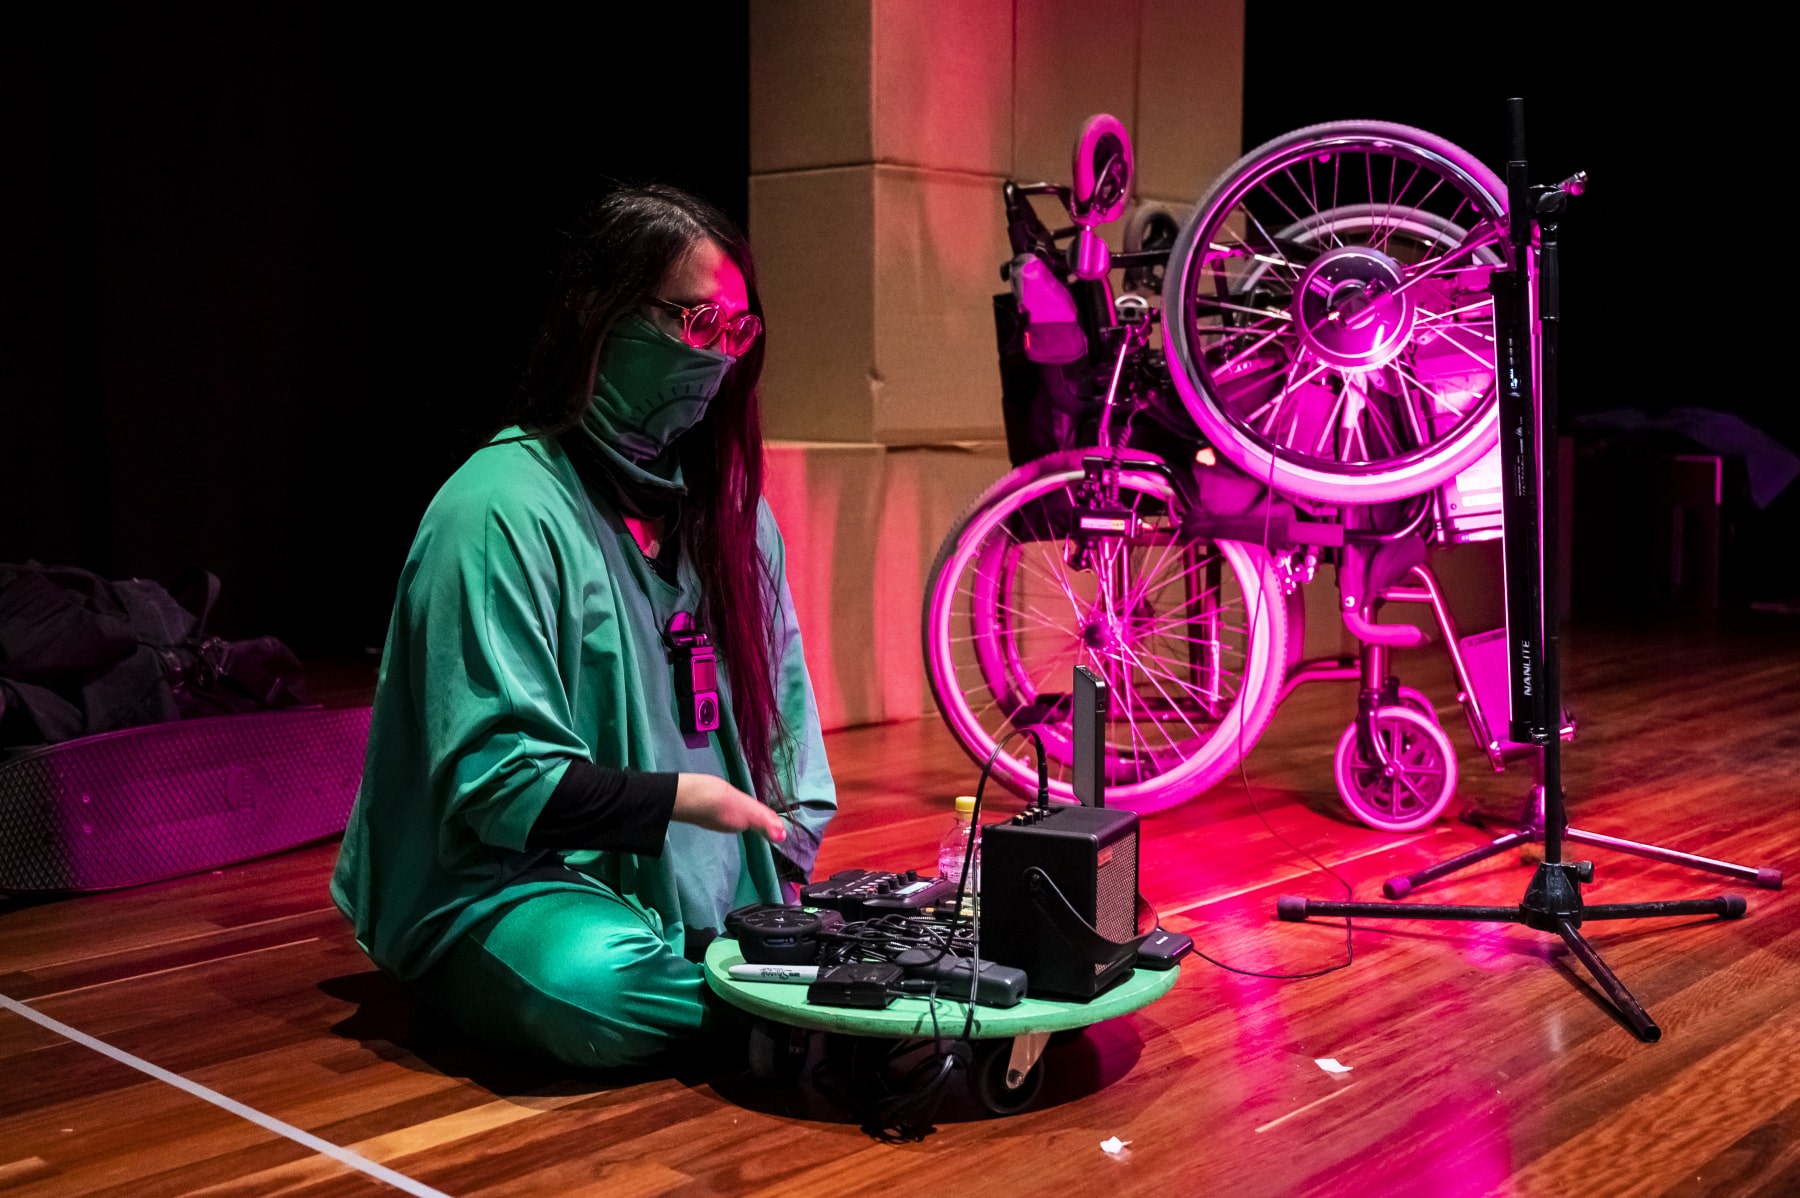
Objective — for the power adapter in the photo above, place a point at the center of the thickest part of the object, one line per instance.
(999, 985)
(868, 985)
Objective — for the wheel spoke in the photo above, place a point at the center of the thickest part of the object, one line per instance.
(1230, 362)
(1429, 318)
(1394, 202)
(1450, 338)
(1208, 304)
(1143, 660)
(1440, 401)
(1126, 649)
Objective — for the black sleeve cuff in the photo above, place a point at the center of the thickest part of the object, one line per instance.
(597, 807)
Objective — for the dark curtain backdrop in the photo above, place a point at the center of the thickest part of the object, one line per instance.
(1677, 116)
(270, 271)
(1674, 283)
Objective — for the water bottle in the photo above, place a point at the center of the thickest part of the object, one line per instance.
(956, 842)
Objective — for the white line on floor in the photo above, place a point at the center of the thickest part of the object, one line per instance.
(324, 1147)
(134, 948)
(249, 952)
(1302, 1110)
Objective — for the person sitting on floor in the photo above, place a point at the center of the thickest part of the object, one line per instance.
(541, 846)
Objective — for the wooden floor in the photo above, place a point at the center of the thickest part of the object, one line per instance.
(1481, 1059)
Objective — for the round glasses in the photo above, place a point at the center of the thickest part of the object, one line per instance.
(704, 324)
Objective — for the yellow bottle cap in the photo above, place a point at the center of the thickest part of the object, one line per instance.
(965, 804)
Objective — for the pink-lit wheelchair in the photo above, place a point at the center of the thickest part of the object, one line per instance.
(1316, 386)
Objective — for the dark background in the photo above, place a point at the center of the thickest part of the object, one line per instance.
(1672, 286)
(270, 274)
(1663, 258)
(271, 271)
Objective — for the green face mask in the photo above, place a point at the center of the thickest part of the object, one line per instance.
(651, 388)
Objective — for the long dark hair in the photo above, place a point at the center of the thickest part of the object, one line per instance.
(625, 244)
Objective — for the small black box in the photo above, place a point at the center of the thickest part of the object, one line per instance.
(1091, 855)
(868, 985)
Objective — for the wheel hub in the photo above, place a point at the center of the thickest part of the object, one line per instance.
(1102, 633)
(1349, 312)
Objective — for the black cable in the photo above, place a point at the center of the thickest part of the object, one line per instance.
(1244, 781)
(907, 1115)
(1400, 532)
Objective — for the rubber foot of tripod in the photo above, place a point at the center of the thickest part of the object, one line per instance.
(1735, 906)
(1290, 908)
(1397, 888)
(1768, 879)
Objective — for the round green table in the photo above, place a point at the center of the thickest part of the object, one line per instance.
(1005, 1077)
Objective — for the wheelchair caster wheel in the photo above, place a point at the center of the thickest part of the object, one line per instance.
(1414, 783)
(1417, 700)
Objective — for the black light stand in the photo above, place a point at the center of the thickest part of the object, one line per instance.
(1530, 829)
(1526, 324)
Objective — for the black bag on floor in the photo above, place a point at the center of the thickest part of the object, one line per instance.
(81, 655)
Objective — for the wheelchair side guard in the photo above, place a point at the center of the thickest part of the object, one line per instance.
(1365, 577)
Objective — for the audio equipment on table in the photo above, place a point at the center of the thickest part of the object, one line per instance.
(867, 894)
(1163, 949)
(1088, 724)
(1059, 893)
(1059, 898)
(829, 921)
(867, 985)
(999, 985)
(770, 935)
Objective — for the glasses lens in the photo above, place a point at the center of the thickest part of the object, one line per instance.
(741, 334)
(702, 325)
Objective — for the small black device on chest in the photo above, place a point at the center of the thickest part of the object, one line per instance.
(696, 674)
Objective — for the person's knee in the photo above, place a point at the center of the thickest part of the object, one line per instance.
(615, 1000)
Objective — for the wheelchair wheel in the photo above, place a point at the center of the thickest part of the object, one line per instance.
(1190, 637)
(1296, 630)
(1328, 317)
(1416, 785)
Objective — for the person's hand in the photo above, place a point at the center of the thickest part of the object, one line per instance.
(714, 803)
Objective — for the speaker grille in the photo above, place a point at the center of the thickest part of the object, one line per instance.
(1115, 889)
(145, 804)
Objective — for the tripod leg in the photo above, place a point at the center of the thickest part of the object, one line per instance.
(1292, 909)
(1768, 879)
(1400, 887)
(1628, 1007)
(1726, 906)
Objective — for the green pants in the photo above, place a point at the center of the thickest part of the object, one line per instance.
(578, 976)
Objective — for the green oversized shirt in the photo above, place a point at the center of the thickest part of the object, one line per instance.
(527, 633)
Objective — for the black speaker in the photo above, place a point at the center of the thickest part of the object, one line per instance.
(1059, 898)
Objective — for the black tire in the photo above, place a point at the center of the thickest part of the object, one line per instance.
(776, 1052)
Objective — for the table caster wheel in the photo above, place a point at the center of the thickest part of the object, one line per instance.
(998, 1086)
(776, 1052)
